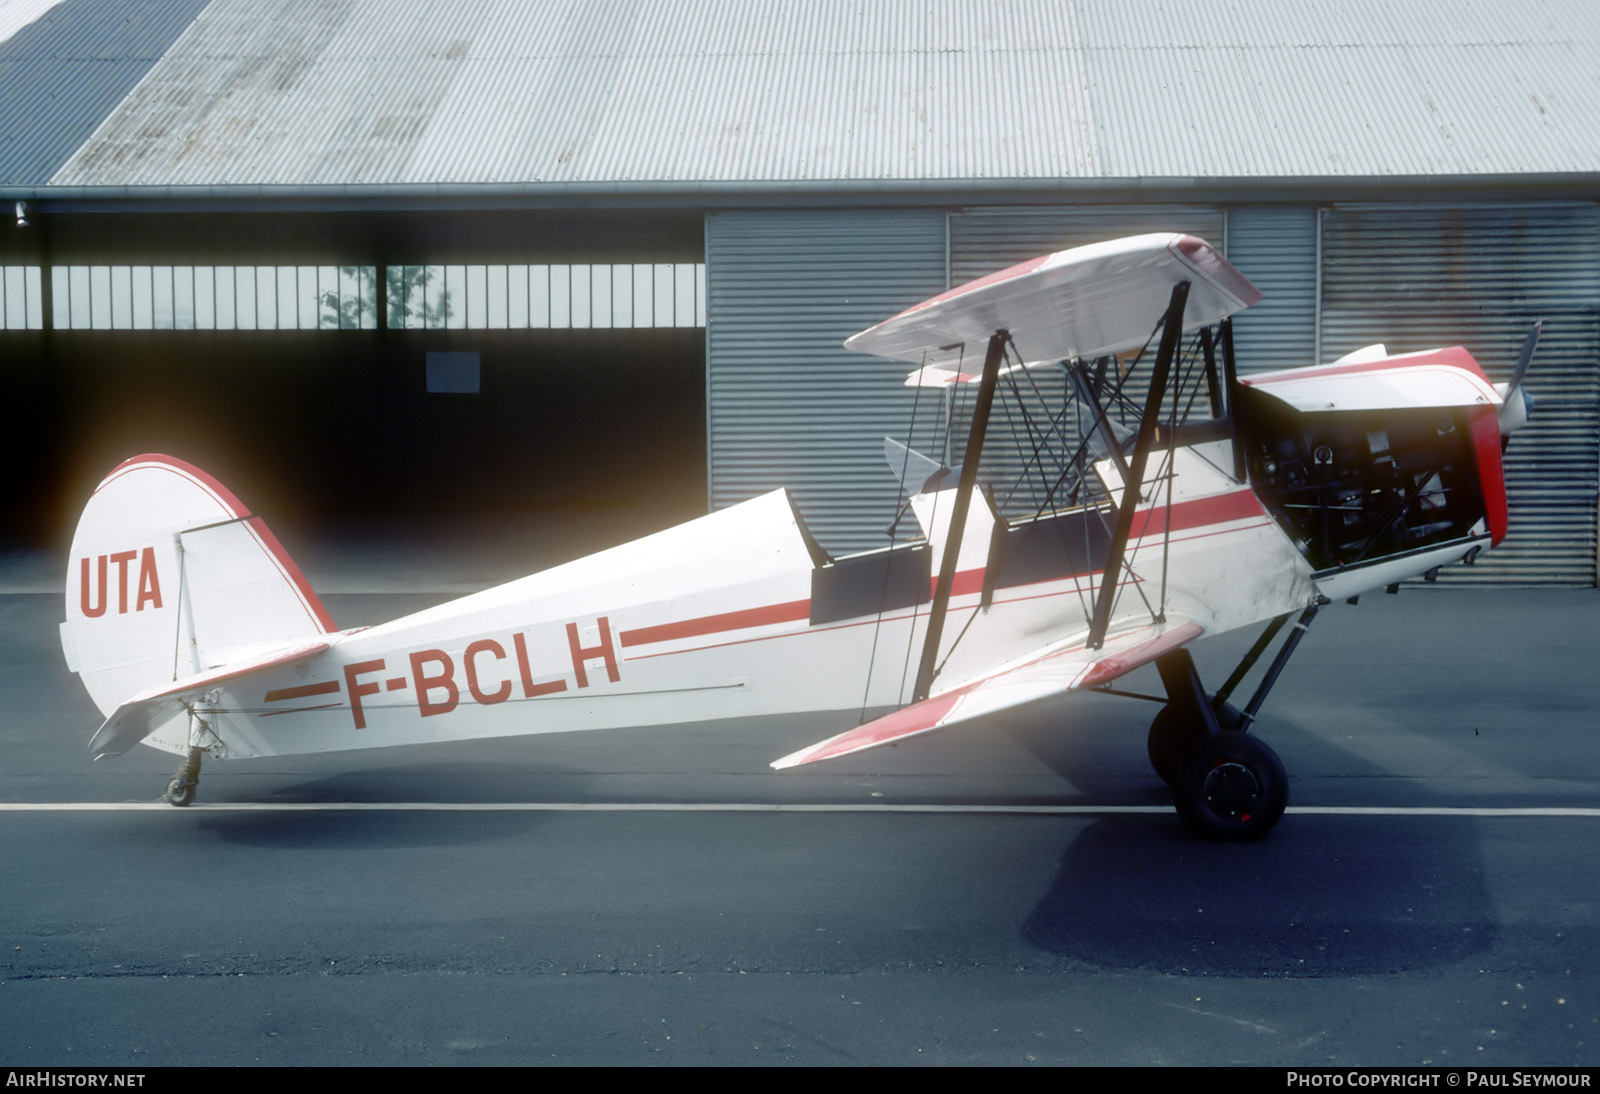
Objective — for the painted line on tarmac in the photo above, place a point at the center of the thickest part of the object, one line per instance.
(761, 807)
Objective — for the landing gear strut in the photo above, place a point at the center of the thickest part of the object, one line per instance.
(181, 790)
(1224, 783)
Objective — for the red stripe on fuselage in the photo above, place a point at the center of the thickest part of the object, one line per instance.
(791, 612)
(327, 687)
(1183, 516)
(1196, 513)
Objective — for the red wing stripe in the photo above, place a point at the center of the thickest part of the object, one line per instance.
(1109, 668)
(792, 612)
(906, 722)
(304, 691)
(972, 286)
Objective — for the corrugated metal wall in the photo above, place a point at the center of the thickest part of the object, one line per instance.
(1415, 277)
(786, 404)
(1275, 246)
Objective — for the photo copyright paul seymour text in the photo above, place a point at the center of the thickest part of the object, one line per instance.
(1440, 1079)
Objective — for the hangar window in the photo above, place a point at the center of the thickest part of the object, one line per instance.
(542, 297)
(214, 297)
(21, 298)
(427, 297)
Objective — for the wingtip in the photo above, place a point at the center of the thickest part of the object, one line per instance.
(793, 759)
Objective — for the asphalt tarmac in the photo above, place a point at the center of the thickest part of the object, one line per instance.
(1014, 893)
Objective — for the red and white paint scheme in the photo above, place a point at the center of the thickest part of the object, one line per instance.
(195, 633)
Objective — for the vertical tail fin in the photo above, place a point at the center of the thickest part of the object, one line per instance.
(170, 575)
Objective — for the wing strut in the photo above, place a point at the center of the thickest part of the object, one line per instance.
(958, 517)
(1133, 482)
(1230, 384)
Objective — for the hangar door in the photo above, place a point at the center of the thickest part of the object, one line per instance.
(787, 405)
(1416, 277)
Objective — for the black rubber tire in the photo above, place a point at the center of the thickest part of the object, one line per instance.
(1171, 741)
(179, 793)
(1232, 787)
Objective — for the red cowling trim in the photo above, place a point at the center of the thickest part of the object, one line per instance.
(1485, 426)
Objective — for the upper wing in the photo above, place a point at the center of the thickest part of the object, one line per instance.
(1083, 302)
(1040, 675)
(152, 708)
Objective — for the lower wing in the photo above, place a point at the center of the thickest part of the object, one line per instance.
(1048, 671)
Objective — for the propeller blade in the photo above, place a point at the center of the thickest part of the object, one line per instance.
(1516, 405)
(1529, 343)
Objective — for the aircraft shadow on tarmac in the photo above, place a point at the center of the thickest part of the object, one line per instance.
(386, 826)
(366, 831)
(1320, 895)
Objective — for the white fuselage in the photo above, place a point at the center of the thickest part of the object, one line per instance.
(714, 619)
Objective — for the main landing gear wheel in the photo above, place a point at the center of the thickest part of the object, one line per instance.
(1174, 737)
(1232, 787)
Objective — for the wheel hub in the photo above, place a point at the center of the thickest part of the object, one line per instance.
(1232, 790)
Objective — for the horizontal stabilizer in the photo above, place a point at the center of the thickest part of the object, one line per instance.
(153, 708)
(1039, 676)
(914, 470)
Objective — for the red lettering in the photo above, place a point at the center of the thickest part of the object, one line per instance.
(470, 660)
(580, 654)
(99, 608)
(445, 680)
(122, 558)
(149, 585)
(529, 688)
(357, 690)
(523, 667)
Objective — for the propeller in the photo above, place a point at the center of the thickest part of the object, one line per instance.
(1517, 404)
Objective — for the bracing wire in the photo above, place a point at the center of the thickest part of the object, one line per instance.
(883, 588)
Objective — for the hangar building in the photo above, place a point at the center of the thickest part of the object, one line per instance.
(368, 257)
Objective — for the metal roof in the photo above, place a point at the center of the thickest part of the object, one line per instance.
(372, 94)
(65, 65)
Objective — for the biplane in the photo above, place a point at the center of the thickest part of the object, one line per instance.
(1170, 498)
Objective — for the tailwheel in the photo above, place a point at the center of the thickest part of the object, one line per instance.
(1232, 787)
(181, 790)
